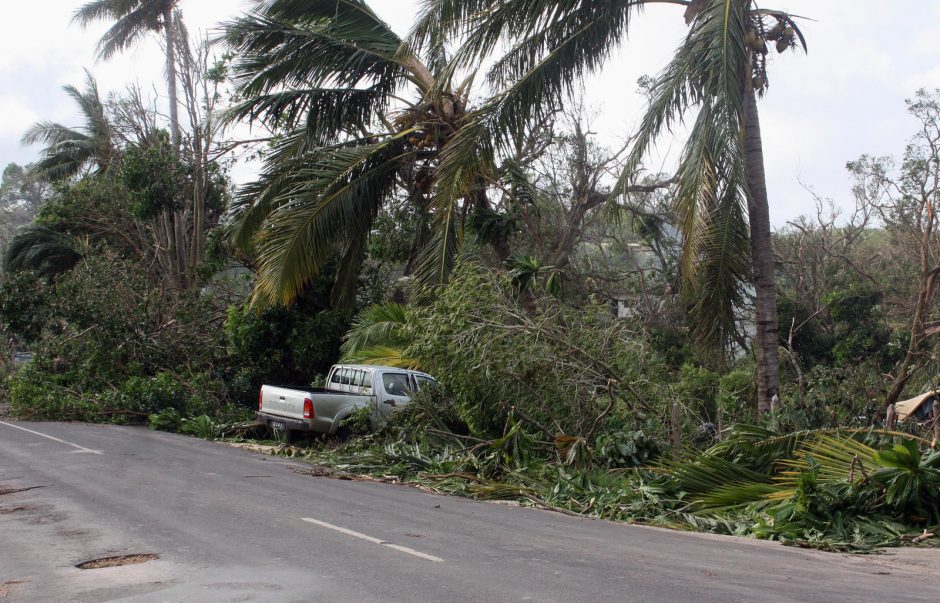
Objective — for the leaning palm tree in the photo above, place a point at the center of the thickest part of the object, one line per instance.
(69, 151)
(721, 196)
(361, 117)
(720, 69)
(132, 20)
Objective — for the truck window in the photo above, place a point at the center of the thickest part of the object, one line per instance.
(424, 382)
(334, 378)
(396, 384)
(357, 379)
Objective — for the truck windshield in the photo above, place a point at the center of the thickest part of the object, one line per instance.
(396, 384)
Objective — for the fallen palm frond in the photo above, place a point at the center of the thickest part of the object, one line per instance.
(835, 490)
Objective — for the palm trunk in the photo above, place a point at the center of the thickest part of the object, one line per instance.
(762, 258)
(169, 28)
(178, 245)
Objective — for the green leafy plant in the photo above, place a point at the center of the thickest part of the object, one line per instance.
(911, 479)
(202, 427)
(168, 419)
(620, 449)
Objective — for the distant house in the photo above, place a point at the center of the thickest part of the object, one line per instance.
(919, 408)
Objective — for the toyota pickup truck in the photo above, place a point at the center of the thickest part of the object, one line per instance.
(348, 388)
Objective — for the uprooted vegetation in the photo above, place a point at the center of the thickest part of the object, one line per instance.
(833, 490)
(531, 410)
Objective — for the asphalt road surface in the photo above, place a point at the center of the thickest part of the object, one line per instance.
(231, 525)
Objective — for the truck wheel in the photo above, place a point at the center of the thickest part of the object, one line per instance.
(343, 433)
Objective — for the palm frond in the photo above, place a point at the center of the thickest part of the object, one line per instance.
(439, 255)
(66, 150)
(379, 325)
(326, 112)
(383, 356)
(327, 198)
(288, 44)
(133, 19)
(707, 72)
(41, 249)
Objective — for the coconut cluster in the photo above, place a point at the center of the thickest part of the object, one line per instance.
(758, 39)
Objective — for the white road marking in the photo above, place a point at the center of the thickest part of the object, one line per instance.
(81, 449)
(373, 540)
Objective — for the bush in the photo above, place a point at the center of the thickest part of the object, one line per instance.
(737, 394)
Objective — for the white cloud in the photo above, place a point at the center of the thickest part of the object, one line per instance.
(842, 99)
(15, 116)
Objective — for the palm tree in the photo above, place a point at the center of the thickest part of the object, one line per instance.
(721, 197)
(361, 117)
(132, 20)
(720, 69)
(69, 151)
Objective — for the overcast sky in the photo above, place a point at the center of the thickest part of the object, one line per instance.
(843, 99)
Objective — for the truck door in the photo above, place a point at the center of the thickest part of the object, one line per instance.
(395, 389)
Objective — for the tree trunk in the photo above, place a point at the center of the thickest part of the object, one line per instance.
(762, 258)
(169, 28)
(928, 286)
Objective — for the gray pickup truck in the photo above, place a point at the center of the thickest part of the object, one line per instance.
(348, 388)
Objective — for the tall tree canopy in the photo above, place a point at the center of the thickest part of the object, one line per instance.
(132, 20)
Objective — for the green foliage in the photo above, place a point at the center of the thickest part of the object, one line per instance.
(156, 178)
(619, 449)
(103, 338)
(361, 421)
(202, 427)
(25, 303)
(672, 343)
(154, 394)
(283, 345)
(698, 389)
(737, 393)
(848, 396)
(556, 371)
(860, 329)
(912, 479)
(168, 419)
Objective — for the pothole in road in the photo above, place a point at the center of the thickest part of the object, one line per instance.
(117, 561)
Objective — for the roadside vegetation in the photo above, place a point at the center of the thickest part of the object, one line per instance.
(609, 341)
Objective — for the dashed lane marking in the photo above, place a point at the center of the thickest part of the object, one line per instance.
(80, 449)
(373, 540)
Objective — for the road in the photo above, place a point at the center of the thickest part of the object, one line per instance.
(230, 525)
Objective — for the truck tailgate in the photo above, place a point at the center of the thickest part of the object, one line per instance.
(283, 402)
